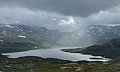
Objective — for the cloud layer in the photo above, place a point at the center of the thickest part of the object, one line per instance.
(52, 13)
(64, 15)
(19, 15)
(66, 7)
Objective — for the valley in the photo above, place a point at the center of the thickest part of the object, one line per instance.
(59, 35)
(18, 37)
(32, 49)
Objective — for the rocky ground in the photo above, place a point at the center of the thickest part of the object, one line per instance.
(37, 64)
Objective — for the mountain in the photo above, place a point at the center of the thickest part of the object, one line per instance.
(103, 33)
(110, 49)
(22, 37)
(18, 37)
(91, 34)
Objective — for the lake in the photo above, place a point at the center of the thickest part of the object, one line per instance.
(56, 53)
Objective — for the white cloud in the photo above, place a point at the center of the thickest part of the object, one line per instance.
(19, 15)
(70, 21)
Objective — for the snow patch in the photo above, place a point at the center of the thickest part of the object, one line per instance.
(9, 26)
(112, 25)
(20, 36)
(1, 40)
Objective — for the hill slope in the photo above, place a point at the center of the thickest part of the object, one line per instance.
(40, 37)
(21, 37)
(110, 49)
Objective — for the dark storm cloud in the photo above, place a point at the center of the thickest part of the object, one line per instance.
(66, 7)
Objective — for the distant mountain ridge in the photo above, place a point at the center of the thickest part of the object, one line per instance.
(103, 33)
(92, 34)
(22, 37)
(40, 37)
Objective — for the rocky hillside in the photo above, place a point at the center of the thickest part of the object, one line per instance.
(18, 37)
(37, 64)
(103, 33)
(21, 37)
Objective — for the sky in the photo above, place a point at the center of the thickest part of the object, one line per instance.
(65, 15)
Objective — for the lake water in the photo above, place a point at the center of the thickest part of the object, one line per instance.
(55, 53)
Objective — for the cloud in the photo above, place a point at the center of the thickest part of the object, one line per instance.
(19, 15)
(54, 20)
(103, 17)
(65, 7)
(70, 21)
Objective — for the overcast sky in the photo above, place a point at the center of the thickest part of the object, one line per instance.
(66, 7)
(60, 14)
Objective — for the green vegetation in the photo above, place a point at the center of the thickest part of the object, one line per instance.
(89, 67)
(110, 49)
(22, 63)
(37, 64)
(10, 42)
(14, 38)
(73, 50)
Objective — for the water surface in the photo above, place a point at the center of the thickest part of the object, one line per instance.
(55, 53)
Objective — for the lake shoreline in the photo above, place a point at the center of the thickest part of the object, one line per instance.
(54, 53)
